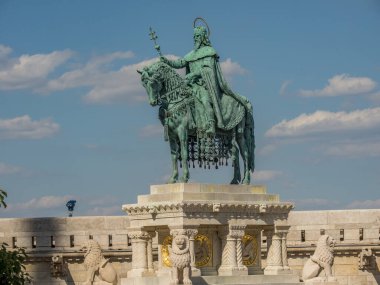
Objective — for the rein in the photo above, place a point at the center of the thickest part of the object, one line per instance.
(171, 91)
(175, 105)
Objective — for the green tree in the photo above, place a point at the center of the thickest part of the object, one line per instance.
(12, 269)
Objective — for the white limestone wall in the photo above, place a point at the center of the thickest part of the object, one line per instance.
(100, 228)
(345, 227)
(65, 236)
(333, 222)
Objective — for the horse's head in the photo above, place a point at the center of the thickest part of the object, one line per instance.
(152, 78)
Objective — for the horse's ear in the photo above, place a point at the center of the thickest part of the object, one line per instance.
(139, 71)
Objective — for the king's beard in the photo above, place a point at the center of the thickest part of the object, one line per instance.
(197, 44)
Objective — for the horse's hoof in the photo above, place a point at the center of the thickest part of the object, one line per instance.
(184, 180)
(234, 181)
(171, 181)
(246, 182)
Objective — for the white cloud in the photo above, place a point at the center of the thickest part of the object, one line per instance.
(283, 87)
(265, 175)
(91, 146)
(4, 51)
(25, 128)
(231, 68)
(107, 82)
(28, 71)
(375, 97)
(267, 149)
(365, 204)
(342, 84)
(106, 85)
(88, 75)
(314, 204)
(324, 121)
(354, 149)
(105, 211)
(44, 202)
(99, 201)
(124, 84)
(152, 131)
(6, 169)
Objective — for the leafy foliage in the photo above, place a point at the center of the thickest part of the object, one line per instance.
(3, 195)
(12, 269)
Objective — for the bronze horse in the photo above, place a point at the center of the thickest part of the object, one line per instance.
(166, 88)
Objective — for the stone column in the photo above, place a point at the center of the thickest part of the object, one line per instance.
(192, 233)
(274, 253)
(230, 265)
(285, 264)
(269, 235)
(139, 253)
(224, 263)
(238, 233)
(277, 259)
(150, 252)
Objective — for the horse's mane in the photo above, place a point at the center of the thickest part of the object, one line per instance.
(168, 75)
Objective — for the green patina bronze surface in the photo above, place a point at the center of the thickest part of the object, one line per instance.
(205, 121)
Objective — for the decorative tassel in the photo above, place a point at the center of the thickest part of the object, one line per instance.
(166, 131)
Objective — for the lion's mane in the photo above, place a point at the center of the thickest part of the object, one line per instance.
(93, 255)
(324, 251)
(180, 258)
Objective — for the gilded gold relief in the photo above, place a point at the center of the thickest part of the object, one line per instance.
(165, 251)
(202, 251)
(250, 249)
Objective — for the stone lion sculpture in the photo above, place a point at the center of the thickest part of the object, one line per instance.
(179, 254)
(322, 259)
(97, 265)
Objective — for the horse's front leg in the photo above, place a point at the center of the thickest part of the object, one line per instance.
(174, 156)
(183, 136)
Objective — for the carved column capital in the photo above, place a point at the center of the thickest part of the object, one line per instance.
(176, 232)
(192, 233)
(237, 231)
(134, 235)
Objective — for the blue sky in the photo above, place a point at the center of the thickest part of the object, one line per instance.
(75, 122)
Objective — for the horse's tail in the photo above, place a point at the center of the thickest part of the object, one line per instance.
(250, 140)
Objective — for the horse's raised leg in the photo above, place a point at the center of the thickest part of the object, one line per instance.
(174, 155)
(236, 163)
(183, 136)
(245, 155)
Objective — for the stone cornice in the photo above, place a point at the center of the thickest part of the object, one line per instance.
(207, 207)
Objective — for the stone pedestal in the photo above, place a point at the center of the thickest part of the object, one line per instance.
(321, 281)
(223, 224)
